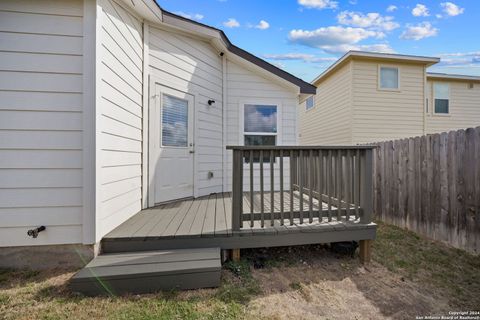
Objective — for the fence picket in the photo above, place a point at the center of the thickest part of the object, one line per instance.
(431, 185)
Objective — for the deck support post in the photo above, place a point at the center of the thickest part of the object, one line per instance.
(235, 255)
(366, 191)
(237, 190)
(365, 251)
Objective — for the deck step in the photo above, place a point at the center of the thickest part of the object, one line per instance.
(143, 272)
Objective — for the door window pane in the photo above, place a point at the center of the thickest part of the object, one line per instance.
(260, 118)
(174, 122)
(388, 78)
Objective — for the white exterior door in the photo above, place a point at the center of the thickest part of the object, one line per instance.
(172, 144)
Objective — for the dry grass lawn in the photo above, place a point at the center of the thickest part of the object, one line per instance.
(409, 276)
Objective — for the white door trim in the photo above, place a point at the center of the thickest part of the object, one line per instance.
(145, 112)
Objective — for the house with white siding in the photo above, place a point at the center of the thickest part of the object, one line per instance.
(108, 107)
(370, 97)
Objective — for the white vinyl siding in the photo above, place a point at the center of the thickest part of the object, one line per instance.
(464, 107)
(193, 66)
(120, 125)
(245, 86)
(380, 115)
(41, 126)
(329, 122)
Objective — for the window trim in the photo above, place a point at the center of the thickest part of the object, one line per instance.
(440, 114)
(399, 75)
(313, 106)
(242, 133)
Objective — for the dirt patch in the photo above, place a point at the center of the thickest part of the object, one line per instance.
(325, 285)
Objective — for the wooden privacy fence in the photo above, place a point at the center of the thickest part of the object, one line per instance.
(431, 185)
(317, 185)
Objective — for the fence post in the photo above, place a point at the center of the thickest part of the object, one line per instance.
(366, 178)
(237, 190)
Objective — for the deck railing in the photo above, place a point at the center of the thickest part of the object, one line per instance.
(307, 185)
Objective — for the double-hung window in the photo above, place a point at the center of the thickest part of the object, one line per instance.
(389, 78)
(441, 92)
(309, 103)
(260, 125)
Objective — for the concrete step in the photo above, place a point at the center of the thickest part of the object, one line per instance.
(143, 272)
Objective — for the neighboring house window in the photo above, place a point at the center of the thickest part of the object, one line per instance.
(260, 126)
(441, 93)
(389, 78)
(309, 103)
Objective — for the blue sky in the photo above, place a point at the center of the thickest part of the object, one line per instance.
(305, 36)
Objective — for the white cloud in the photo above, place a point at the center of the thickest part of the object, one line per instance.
(420, 10)
(372, 20)
(305, 57)
(391, 8)
(460, 58)
(231, 23)
(419, 31)
(262, 25)
(340, 49)
(337, 39)
(192, 16)
(380, 47)
(460, 54)
(279, 65)
(451, 9)
(333, 35)
(438, 16)
(318, 4)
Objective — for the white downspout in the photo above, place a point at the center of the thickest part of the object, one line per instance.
(224, 120)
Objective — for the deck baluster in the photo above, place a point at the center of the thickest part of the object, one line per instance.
(292, 180)
(262, 202)
(251, 188)
(300, 184)
(329, 184)
(311, 173)
(320, 184)
(281, 188)
(272, 188)
(348, 182)
(356, 190)
(339, 184)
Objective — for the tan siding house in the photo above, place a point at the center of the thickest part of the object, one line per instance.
(367, 97)
(330, 116)
(464, 103)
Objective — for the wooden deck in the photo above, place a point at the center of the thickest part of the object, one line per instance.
(206, 222)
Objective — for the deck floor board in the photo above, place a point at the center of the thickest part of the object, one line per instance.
(210, 217)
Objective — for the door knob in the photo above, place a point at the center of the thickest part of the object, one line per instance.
(192, 151)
